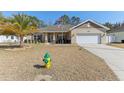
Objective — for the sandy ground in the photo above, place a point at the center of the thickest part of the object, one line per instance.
(69, 62)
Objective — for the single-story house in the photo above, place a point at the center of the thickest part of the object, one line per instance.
(89, 31)
(116, 35)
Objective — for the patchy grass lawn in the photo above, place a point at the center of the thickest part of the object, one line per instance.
(119, 45)
(69, 62)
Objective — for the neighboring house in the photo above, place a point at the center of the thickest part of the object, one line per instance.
(88, 31)
(116, 35)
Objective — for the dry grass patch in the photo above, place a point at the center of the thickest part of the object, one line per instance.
(69, 62)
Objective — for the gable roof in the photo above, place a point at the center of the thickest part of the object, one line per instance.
(89, 20)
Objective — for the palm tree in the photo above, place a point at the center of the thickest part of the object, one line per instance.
(20, 25)
(25, 25)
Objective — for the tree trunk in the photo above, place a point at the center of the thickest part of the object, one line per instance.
(21, 41)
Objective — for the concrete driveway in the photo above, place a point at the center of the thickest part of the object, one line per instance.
(113, 56)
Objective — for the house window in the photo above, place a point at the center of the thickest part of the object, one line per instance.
(12, 37)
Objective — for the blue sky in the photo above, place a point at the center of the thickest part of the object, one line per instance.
(99, 16)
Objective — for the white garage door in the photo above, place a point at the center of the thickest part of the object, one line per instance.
(87, 39)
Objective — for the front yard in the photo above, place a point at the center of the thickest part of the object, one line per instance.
(69, 62)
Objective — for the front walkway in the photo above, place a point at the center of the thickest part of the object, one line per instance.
(113, 56)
